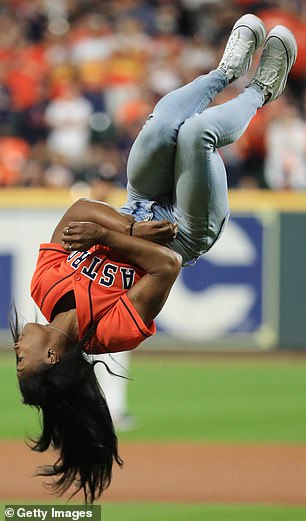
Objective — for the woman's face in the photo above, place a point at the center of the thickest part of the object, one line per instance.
(33, 348)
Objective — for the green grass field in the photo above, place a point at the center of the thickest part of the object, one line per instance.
(160, 512)
(194, 399)
(203, 399)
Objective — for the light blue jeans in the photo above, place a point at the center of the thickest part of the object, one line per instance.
(175, 171)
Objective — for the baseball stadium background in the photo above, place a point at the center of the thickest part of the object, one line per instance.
(219, 393)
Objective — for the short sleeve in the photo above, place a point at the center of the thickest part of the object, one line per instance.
(122, 328)
(48, 270)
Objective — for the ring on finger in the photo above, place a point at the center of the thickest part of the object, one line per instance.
(66, 231)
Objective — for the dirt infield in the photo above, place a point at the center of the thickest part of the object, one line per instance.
(185, 472)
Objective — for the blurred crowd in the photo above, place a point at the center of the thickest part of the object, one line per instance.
(79, 77)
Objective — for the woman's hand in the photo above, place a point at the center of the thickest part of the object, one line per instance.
(81, 236)
(161, 232)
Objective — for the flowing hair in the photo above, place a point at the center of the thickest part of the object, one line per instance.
(75, 421)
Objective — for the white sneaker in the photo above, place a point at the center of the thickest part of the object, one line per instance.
(278, 56)
(247, 35)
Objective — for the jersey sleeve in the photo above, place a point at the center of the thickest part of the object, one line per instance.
(122, 328)
(48, 269)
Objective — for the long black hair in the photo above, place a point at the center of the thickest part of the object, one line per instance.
(75, 421)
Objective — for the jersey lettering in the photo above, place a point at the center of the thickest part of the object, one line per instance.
(90, 270)
(108, 275)
(76, 263)
(128, 276)
(106, 272)
(71, 255)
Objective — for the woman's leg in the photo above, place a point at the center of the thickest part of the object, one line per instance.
(201, 202)
(150, 168)
(151, 161)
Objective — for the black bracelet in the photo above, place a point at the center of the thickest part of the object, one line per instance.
(131, 228)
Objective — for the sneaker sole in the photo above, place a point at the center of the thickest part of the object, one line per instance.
(255, 25)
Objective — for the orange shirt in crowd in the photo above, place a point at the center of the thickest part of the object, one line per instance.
(14, 152)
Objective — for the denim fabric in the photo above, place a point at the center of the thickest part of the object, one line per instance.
(175, 171)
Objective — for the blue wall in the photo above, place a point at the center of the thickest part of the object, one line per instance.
(6, 288)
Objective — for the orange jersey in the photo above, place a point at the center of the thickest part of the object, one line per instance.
(100, 282)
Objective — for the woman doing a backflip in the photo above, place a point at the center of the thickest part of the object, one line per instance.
(105, 275)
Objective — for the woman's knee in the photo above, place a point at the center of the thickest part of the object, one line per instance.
(157, 133)
(197, 131)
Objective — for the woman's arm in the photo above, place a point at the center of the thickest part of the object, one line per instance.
(94, 211)
(160, 264)
(107, 216)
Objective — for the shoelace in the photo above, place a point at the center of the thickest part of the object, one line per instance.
(270, 74)
(231, 55)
